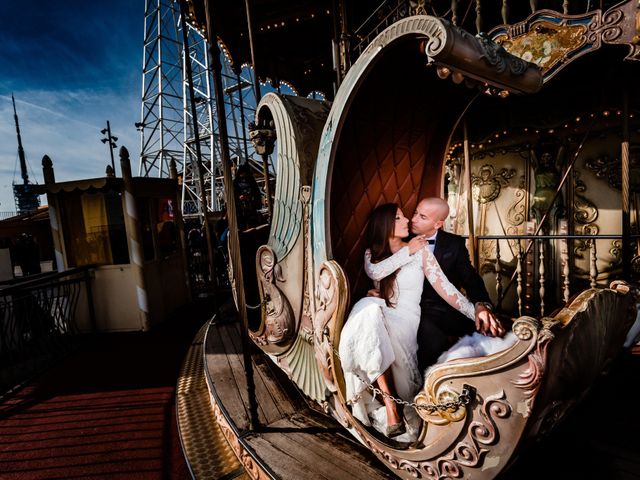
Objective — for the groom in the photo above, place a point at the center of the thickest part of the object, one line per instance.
(440, 324)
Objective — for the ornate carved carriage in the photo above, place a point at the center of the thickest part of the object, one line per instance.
(394, 133)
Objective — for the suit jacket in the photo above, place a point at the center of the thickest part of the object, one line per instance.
(453, 257)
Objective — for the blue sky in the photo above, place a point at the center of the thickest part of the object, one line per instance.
(72, 65)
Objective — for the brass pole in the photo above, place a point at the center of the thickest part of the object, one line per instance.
(256, 82)
(265, 158)
(626, 217)
(234, 239)
(467, 185)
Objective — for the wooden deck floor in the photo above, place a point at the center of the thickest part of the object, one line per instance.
(291, 440)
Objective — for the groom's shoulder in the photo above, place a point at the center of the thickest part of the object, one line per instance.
(450, 237)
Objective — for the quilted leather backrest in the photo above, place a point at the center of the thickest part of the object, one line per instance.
(391, 149)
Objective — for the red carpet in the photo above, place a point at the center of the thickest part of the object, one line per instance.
(106, 412)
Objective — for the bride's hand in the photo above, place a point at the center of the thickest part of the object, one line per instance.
(416, 243)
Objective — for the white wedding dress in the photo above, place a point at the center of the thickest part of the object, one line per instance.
(376, 337)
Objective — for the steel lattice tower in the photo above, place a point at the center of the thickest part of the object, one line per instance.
(161, 123)
(167, 123)
(192, 203)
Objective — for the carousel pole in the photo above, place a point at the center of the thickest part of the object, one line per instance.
(336, 43)
(194, 116)
(626, 218)
(177, 217)
(256, 84)
(234, 240)
(473, 250)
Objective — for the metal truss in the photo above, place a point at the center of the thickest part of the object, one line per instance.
(166, 125)
(161, 123)
(192, 198)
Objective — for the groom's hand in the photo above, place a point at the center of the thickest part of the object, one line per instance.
(374, 292)
(487, 323)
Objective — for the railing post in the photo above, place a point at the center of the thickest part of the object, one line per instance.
(498, 275)
(519, 278)
(564, 259)
(90, 305)
(593, 271)
(541, 279)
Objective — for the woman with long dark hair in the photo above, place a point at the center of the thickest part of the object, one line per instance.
(378, 343)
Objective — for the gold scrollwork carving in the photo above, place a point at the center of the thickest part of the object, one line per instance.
(470, 451)
(585, 212)
(440, 417)
(517, 213)
(610, 169)
(487, 184)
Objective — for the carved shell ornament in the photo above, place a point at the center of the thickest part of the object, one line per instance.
(279, 320)
(487, 184)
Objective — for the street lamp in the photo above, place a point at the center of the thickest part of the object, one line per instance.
(112, 142)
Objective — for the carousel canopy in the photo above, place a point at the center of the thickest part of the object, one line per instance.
(293, 40)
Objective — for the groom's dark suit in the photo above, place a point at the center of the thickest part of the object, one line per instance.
(438, 320)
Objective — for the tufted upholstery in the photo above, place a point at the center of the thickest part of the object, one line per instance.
(390, 149)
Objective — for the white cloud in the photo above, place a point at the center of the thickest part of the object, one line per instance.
(66, 126)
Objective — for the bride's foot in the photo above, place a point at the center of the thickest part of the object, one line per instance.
(396, 429)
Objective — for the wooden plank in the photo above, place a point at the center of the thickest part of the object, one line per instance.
(342, 457)
(298, 442)
(272, 398)
(283, 463)
(282, 389)
(219, 371)
(270, 407)
(237, 369)
(306, 448)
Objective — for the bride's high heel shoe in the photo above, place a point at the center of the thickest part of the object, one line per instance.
(396, 429)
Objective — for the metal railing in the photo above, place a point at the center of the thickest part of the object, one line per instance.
(38, 322)
(387, 13)
(535, 275)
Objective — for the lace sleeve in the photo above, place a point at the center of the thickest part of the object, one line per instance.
(384, 268)
(444, 287)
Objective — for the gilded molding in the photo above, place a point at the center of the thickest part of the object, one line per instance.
(252, 468)
(552, 40)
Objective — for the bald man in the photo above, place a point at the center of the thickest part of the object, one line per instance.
(441, 324)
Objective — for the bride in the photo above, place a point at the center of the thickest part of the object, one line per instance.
(378, 344)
